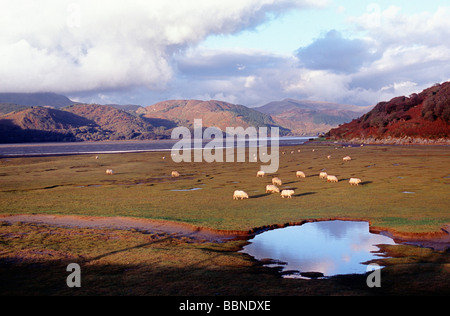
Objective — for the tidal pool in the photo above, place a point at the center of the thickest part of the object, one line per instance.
(329, 247)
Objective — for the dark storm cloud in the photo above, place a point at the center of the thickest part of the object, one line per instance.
(335, 53)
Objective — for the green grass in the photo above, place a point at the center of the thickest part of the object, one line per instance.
(33, 258)
(142, 187)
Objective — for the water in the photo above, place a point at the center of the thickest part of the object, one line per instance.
(109, 147)
(329, 247)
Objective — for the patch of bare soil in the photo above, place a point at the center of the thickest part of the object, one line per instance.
(127, 223)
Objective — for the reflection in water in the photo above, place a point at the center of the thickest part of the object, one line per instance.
(331, 247)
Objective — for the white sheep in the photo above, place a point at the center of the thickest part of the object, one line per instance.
(260, 174)
(175, 174)
(354, 181)
(332, 179)
(329, 156)
(109, 171)
(347, 158)
(300, 174)
(240, 195)
(323, 175)
(277, 181)
(287, 194)
(272, 189)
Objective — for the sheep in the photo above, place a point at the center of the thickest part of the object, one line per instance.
(175, 174)
(272, 189)
(240, 195)
(300, 174)
(109, 171)
(260, 174)
(354, 181)
(329, 156)
(277, 181)
(323, 175)
(332, 179)
(287, 193)
(96, 157)
(347, 158)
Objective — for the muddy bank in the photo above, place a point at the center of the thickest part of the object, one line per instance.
(439, 241)
(127, 223)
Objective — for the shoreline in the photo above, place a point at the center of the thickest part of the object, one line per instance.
(439, 241)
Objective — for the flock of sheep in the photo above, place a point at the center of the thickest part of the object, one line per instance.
(276, 182)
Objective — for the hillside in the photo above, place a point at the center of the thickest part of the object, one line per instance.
(115, 123)
(419, 118)
(39, 124)
(213, 113)
(79, 122)
(304, 117)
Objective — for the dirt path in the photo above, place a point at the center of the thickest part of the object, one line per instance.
(145, 225)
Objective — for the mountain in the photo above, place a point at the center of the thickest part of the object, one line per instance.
(75, 123)
(36, 99)
(39, 124)
(117, 123)
(419, 118)
(304, 117)
(213, 113)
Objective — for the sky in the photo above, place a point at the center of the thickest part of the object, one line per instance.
(248, 52)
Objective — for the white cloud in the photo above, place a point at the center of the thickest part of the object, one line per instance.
(149, 51)
(81, 45)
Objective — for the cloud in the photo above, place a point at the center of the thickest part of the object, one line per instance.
(335, 53)
(69, 46)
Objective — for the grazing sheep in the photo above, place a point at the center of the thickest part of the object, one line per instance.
(354, 181)
(332, 179)
(109, 171)
(329, 156)
(323, 175)
(272, 189)
(240, 195)
(96, 157)
(300, 174)
(347, 158)
(287, 194)
(277, 181)
(175, 174)
(260, 174)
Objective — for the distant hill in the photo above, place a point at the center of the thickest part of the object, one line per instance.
(304, 117)
(117, 123)
(39, 124)
(213, 114)
(36, 99)
(419, 118)
(75, 123)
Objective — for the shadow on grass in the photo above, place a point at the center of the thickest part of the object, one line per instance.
(260, 196)
(305, 194)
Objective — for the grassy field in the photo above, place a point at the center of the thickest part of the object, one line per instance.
(404, 188)
(33, 257)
